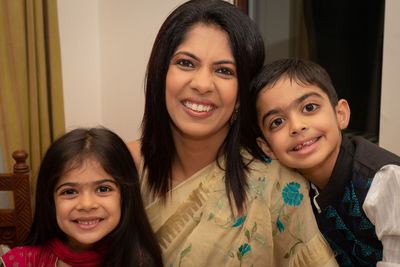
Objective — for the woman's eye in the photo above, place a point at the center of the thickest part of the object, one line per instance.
(310, 107)
(185, 63)
(104, 189)
(275, 123)
(226, 71)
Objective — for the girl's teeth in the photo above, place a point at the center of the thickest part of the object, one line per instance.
(88, 222)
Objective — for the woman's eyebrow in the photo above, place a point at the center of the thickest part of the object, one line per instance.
(187, 54)
(219, 62)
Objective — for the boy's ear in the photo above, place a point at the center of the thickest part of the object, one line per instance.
(265, 148)
(342, 114)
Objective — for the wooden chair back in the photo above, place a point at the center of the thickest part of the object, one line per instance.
(15, 223)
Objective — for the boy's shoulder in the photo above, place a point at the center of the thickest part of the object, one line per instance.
(368, 157)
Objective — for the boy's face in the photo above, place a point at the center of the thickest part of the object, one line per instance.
(302, 128)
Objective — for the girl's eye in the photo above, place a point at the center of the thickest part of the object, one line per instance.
(276, 123)
(185, 63)
(226, 71)
(104, 189)
(310, 107)
(68, 192)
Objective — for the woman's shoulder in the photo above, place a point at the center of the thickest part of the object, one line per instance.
(273, 169)
(135, 149)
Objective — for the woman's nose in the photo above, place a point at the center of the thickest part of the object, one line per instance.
(202, 81)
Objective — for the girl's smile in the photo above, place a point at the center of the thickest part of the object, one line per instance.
(87, 201)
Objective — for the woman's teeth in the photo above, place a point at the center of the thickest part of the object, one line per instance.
(198, 107)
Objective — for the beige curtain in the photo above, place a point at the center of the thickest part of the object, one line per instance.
(31, 98)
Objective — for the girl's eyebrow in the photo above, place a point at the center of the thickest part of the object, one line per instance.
(219, 62)
(77, 184)
(294, 102)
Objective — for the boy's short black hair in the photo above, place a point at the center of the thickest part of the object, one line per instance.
(301, 71)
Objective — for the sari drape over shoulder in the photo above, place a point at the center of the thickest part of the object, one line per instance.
(195, 225)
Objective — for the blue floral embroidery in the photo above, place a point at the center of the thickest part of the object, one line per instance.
(243, 249)
(291, 194)
(280, 225)
(239, 221)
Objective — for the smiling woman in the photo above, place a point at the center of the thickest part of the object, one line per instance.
(209, 202)
(201, 85)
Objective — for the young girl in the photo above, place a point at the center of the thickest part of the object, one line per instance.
(88, 207)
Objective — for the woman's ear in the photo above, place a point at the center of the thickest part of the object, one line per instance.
(265, 148)
(342, 114)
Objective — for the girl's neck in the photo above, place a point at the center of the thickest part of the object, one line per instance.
(60, 263)
(193, 154)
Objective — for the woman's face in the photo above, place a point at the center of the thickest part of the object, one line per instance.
(201, 84)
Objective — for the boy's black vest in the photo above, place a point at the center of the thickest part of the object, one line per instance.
(341, 218)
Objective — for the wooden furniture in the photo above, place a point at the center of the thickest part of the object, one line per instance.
(15, 223)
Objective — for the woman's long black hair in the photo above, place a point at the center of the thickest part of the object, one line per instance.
(158, 148)
(133, 233)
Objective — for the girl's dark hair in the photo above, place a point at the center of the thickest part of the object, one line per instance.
(247, 47)
(300, 71)
(133, 233)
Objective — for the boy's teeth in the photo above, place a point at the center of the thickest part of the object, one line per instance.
(297, 148)
(198, 107)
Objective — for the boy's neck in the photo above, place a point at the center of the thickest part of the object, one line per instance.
(320, 174)
(319, 177)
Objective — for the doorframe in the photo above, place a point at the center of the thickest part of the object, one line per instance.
(242, 4)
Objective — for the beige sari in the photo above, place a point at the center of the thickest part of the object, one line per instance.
(195, 227)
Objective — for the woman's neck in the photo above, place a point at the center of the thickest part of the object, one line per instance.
(193, 154)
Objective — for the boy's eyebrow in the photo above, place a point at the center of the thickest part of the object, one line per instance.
(295, 102)
(198, 59)
(95, 183)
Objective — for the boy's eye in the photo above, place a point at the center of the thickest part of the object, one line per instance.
(225, 71)
(275, 123)
(310, 107)
(184, 63)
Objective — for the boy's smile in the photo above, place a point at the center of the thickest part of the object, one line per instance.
(301, 127)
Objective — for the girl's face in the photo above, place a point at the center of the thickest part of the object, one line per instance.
(201, 84)
(88, 205)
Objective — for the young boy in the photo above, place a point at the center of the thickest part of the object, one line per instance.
(356, 184)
